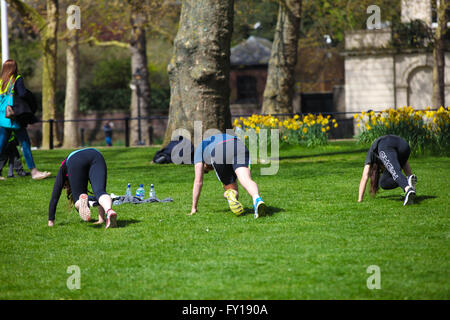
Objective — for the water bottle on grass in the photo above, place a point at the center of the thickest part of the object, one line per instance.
(152, 194)
(128, 192)
(140, 192)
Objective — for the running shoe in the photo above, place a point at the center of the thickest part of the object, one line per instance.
(84, 210)
(259, 207)
(111, 219)
(409, 197)
(412, 181)
(235, 205)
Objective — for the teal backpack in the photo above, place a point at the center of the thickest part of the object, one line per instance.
(6, 99)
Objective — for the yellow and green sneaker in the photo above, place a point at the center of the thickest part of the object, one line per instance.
(235, 205)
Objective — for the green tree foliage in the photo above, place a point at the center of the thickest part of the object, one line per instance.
(27, 54)
(254, 18)
(113, 74)
(335, 17)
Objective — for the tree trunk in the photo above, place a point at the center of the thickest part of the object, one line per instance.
(280, 83)
(199, 70)
(48, 28)
(439, 57)
(140, 97)
(49, 46)
(71, 139)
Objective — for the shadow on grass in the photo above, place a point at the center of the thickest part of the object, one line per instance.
(124, 223)
(417, 200)
(120, 223)
(270, 211)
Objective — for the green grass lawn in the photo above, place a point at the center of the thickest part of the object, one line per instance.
(316, 243)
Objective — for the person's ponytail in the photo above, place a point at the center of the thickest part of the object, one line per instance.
(374, 175)
(69, 195)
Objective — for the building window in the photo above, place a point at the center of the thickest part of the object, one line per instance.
(246, 89)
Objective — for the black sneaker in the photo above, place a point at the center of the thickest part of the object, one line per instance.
(409, 197)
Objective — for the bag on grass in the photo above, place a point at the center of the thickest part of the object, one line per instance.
(165, 154)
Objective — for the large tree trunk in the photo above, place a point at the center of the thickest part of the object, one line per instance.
(49, 46)
(140, 97)
(439, 57)
(199, 70)
(71, 139)
(48, 28)
(280, 83)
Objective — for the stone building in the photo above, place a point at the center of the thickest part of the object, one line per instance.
(248, 75)
(319, 77)
(379, 76)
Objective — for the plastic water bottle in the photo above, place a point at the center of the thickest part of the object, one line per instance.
(152, 194)
(128, 192)
(240, 133)
(140, 192)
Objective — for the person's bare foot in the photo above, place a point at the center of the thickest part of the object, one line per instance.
(39, 175)
(101, 216)
(83, 207)
(99, 221)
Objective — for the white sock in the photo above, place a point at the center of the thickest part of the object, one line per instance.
(256, 196)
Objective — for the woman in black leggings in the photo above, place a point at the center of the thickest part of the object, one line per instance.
(79, 168)
(387, 156)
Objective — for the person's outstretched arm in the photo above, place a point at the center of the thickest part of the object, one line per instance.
(407, 169)
(197, 188)
(363, 182)
(56, 193)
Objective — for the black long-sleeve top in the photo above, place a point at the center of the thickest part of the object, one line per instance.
(57, 188)
(19, 87)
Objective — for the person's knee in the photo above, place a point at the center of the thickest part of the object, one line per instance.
(232, 185)
(388, 184)
(243, 173)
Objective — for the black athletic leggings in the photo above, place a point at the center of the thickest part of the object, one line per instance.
(393, 152)
(83, 166)
(226, 157)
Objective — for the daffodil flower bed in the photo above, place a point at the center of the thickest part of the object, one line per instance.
(425, 130)
(309, 129)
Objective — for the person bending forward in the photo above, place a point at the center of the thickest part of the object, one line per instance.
(79, 168)
(229, 157)
(386, 158)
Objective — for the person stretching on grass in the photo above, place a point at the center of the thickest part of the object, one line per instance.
(387, 156)
(230, 159)
(76, 170)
